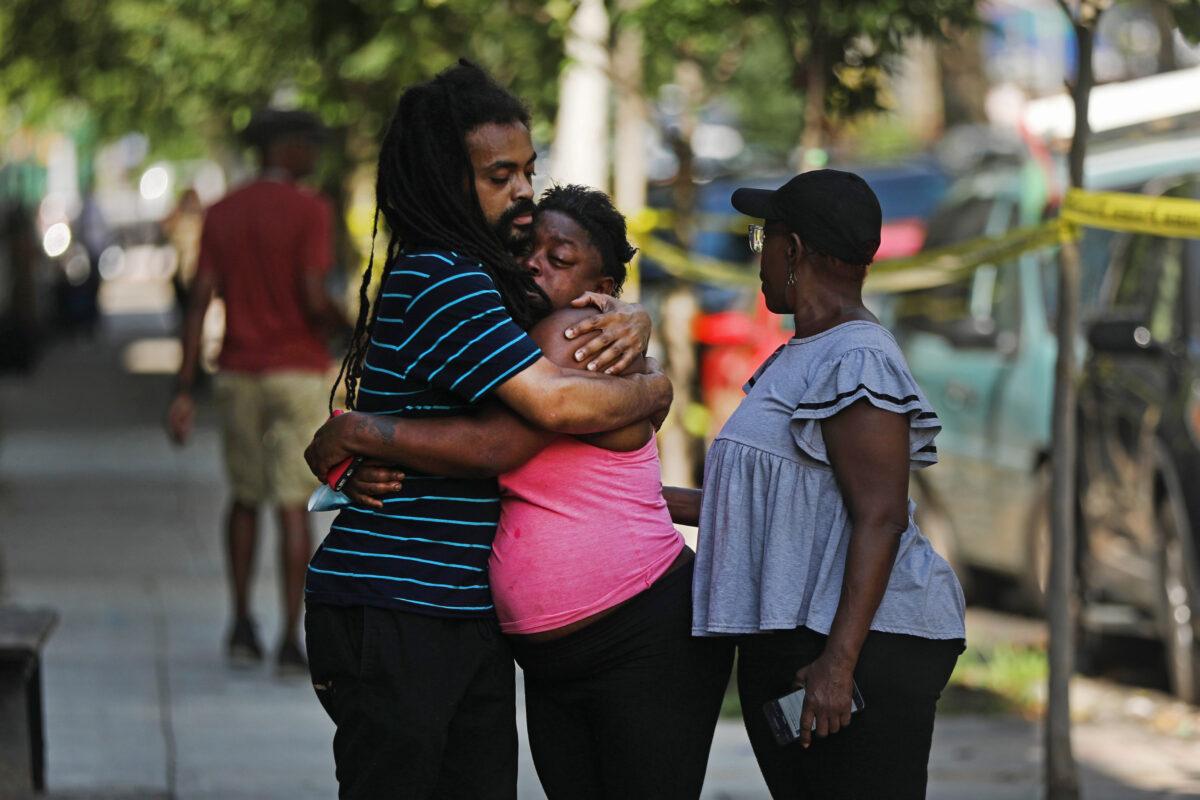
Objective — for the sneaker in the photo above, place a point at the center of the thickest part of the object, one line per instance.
(290, 661)
(244, 649)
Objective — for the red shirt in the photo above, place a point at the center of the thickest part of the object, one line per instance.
(258, 242)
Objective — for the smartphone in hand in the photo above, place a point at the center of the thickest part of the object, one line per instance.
(783, 713)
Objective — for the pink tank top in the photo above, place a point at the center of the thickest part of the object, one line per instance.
(581, 530)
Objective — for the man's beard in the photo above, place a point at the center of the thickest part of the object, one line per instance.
(515, 239)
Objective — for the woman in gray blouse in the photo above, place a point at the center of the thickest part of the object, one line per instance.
(809, 559)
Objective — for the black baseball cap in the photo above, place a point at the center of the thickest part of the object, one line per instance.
(834, 212)
(270, 124)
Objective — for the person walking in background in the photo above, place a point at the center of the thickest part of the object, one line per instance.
(266, 249)
(808, 553)
(79, 296)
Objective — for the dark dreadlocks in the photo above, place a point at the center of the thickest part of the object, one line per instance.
(423, 166)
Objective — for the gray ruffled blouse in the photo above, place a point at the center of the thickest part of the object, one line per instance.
(773, 526)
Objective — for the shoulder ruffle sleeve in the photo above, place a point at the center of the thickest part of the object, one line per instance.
(877, 377)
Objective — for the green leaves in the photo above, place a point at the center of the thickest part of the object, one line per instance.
(761, 53)
(1186, 14)
(182, 70)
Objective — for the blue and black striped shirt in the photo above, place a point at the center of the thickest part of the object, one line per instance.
(442, 342)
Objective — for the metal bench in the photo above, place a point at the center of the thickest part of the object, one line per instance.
(23, 632)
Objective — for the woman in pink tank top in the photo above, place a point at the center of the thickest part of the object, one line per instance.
(588, 574)
(590, 580)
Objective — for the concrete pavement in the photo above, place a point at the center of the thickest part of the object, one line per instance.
(107, 523)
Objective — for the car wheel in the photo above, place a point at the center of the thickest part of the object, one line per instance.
(1179, 600)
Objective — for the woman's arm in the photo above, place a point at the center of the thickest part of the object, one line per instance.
(868, 449)
(549, 335)
(684, 504)
(477, 446)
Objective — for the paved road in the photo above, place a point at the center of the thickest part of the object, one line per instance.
(118, 531)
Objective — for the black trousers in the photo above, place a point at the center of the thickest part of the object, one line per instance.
(626, 707)
(424, 706)
(885, 751)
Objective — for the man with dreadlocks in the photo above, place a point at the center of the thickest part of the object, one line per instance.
(405, 649)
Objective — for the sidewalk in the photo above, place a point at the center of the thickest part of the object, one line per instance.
(119, 532)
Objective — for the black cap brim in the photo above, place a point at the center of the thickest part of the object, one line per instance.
(758, 203)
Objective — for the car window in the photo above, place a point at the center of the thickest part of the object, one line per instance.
(1188, 309)
(1191, 273)
(1164, 314)
(981, 310)
(1138, 267)
(959, 222)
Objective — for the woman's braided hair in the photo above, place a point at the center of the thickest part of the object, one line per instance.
(425, 191)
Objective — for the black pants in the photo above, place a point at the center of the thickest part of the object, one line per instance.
(885, 751)
(626, 707)
(424, 706)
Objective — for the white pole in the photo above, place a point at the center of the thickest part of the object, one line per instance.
(580, 150)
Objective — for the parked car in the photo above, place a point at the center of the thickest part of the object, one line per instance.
(1139, 413)
(983, 349)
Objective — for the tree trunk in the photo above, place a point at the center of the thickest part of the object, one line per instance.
(580, 151)
(917, 87)
(679, 306)
(1081, 93)
(690, 79)
(1164, 20)
(964, 84)
(679, 309)
(1062, 779)
(629, 142)
(816, 77)
(812, 140)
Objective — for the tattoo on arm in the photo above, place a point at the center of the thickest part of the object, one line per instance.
(378, 428)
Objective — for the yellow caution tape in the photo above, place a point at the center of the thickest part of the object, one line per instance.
(708, 221)
(689, 266)
(1136, 213)
(1158, 216)
(952, 263)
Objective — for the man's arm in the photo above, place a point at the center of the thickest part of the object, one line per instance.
(482, 445)
(182, 411)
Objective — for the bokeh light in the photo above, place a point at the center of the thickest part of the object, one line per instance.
(57, 239)
(155, 182)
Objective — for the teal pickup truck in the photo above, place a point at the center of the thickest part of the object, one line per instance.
(983, 349)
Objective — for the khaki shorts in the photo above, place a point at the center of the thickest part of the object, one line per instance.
(267, 420)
